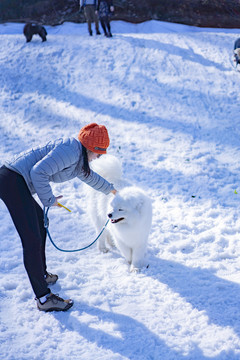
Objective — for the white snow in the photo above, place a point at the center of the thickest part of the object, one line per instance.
(169, 95)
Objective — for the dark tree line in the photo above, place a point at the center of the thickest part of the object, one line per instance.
(210, 13)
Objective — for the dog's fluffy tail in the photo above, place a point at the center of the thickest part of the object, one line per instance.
(108, 166)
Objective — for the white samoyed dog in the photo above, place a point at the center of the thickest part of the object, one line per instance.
(129, 211)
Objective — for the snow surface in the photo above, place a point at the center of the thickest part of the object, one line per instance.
(169, 95)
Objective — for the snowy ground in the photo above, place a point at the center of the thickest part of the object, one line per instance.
(169, 96)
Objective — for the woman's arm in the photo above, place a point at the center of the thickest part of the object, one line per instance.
(63, 155)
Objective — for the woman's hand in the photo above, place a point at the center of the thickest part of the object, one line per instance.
(114, 191)
(56, 201)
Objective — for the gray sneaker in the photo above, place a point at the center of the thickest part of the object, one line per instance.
(54, 303)
(51, 278)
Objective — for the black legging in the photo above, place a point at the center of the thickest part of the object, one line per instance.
(105, 23)
(27, 217)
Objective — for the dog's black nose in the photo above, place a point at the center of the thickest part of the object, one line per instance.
(110, 215)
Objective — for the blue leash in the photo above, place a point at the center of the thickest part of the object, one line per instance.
(46, 225)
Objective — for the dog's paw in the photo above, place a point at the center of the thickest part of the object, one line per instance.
(104, 250)
(134, 269)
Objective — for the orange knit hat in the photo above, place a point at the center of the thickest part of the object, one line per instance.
(95, 138)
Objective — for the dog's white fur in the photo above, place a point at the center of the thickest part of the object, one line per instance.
(131, 205)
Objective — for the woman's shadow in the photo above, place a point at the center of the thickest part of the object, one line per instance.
(134, 341)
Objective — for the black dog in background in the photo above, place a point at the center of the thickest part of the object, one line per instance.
(236, 51)
(29, 30)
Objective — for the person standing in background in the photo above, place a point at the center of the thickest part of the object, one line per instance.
(89, 7)
(105, 9)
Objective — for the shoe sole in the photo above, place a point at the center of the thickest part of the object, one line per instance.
(51, 282)
(57, 309)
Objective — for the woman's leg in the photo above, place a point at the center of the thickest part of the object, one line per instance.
(108, 27)
(43, 233)
(103, 26)
(25, 213)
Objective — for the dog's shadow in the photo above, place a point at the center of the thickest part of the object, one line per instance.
(217, 297)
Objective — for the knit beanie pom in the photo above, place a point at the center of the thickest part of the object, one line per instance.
(95, 138)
